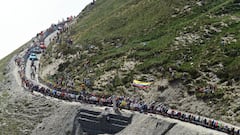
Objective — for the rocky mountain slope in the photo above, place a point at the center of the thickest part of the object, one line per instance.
(188, 49)
(25, 113)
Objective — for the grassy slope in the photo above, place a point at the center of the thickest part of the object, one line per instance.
(130, 23)
(147, 33)
(4, 62)
(11, 123)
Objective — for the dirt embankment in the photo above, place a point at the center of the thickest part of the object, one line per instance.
(24, 113)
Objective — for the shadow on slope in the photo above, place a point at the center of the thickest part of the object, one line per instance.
(95, 122)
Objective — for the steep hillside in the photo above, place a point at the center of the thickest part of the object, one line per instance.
(188, 49)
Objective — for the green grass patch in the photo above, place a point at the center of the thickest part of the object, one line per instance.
(218, 94)
(4, 62)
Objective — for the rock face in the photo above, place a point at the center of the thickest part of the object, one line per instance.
(150, 126)
(60, 122)
(155, 125)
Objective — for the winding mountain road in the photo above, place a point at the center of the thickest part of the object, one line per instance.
(193, 127)
(28, 64)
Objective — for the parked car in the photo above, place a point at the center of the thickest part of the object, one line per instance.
(36, 50)
(33, 56)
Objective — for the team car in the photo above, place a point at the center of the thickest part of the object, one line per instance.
(33, 57)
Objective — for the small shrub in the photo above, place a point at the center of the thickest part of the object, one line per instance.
(218, 94)
(236, 109)
(238, 119)
(117, 81)
(63, 66)
(128, 78)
